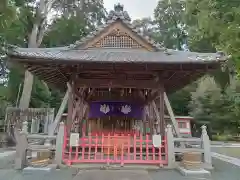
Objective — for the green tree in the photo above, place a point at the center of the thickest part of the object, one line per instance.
(210, 104)
(171, 27)
(214, 25)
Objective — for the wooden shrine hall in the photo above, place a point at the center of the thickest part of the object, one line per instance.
(116, 80)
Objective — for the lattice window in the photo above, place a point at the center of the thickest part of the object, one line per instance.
(117, 39)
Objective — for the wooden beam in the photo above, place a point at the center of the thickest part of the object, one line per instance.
(171, 114)
(117, 83)
(58, 117)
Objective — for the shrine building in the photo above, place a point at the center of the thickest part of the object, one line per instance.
(117, 80)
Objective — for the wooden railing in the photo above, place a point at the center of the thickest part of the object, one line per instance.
(115, 148)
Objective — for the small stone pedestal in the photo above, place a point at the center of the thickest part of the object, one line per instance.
(191, 165)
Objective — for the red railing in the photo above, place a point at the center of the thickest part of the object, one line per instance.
(106, 132)
(115, 148)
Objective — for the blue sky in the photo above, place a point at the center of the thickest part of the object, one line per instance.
(136, 8)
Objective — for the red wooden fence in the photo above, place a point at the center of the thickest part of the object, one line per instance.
(115, 148)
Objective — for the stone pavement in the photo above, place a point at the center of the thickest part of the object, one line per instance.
(63, 174)
(113, 175)
(225, 171)
(222, 171)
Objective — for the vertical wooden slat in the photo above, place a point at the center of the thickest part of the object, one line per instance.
(89, 146)
(129, 144)
(77, 150)
(147, 152)
(108, 148)
(134, 147)
(151, 123)
(141, 143)
(102, 153)
(96, 146)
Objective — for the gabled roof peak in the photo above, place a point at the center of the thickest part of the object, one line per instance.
(118, 13)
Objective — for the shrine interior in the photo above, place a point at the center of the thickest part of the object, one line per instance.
(115, 122)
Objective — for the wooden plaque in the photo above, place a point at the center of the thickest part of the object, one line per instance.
(157, 140)
(74, 139)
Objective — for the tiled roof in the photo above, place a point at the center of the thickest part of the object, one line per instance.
(117, 55)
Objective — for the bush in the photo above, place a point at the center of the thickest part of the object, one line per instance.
(222, 137)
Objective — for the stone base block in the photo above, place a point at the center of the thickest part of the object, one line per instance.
(201, 173)
(207, 166)
(40, 170)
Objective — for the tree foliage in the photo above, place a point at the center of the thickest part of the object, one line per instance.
(169, 20)
(67, 25)
(221, 109)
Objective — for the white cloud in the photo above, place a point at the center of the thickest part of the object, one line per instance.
(136, 8)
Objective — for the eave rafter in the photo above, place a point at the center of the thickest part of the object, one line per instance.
(177, 83)
(117, 75)
(116, 83)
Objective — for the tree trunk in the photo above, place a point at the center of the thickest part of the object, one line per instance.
(28, 79)
(27, 90)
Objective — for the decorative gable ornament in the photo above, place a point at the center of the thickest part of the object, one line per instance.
(118, 13)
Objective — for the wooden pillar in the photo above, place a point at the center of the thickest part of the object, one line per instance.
(144, 121)
(78, 110)
(53, 126)
(161, 124)
(159, 113)
(70, 108)
(151, 123)
(79, 115)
